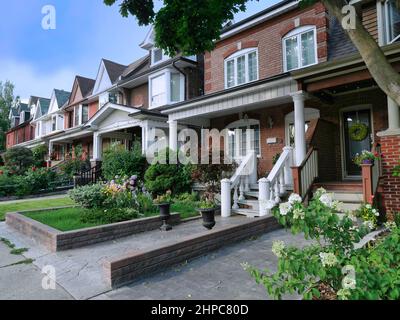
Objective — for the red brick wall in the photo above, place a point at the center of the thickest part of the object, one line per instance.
(391, 185)
(93, 107)
(268, 38)
(20, 135)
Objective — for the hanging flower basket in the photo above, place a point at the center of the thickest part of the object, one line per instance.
(358, 132)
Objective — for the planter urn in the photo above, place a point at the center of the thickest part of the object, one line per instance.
(165, 215)
(208, 217)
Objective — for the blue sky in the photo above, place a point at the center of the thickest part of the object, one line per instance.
(38, 60)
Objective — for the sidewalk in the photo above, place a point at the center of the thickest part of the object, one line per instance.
(58, 196)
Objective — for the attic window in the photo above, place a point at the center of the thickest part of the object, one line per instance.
(157, 55)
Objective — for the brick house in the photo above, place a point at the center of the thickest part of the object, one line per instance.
(293, 79)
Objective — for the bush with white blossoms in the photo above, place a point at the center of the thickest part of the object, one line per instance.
(308, 271)
(369, 215)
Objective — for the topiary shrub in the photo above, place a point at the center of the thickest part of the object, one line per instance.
(160, 178)
(124, 163)
(18, 159)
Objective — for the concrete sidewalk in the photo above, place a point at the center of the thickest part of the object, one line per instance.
(58, 196)
(23, 281)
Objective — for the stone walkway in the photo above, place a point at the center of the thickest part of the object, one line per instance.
(80, 271)
(58, 196)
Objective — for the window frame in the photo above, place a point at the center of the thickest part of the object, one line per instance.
(164, 57)
(297, 33)
(387, 25)
(234, 57)
(244, 123)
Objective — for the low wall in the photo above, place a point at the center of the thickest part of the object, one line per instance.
(127, 268)
(55, 240)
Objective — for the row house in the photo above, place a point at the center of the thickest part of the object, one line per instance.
(291, 76)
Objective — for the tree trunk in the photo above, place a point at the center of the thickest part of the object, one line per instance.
(378, 65)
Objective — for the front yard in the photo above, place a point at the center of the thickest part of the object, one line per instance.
(33, 204)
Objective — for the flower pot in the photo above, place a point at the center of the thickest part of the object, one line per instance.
(165, 215)
(367, 161)
(208, 217)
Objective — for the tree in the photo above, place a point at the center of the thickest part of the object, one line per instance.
(192, 26)
(19, 159)
(6, 101)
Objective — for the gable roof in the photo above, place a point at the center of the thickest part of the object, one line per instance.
(44, 105)
(113, 69)
(62, 97)
(86, 85)
(136, 66)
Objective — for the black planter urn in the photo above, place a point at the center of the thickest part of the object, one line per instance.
(165, 215)
(208, 217)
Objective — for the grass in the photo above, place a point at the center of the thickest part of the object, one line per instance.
(34, 204)
(68, 219)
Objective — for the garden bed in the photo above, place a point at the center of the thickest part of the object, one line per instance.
(56, 240)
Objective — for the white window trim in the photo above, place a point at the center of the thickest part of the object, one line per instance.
(246, 123)
(383, 24)
(297, 33)
(164, 57)
(235, 56)
(167, 79)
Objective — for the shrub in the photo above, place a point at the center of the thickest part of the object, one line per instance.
(34, 181)
(39, 154)
(121, 162)
(145, 203)
(19, 159)
(368, 214)
(106, 216)
(74, 166)
(162, 177)
(90, 196)
(7, 184)
(332, 267)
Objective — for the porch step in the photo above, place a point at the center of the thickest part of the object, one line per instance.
(352, 186)
(351, 197)
(347, 206)
(253, 194)
(253, 204)
(250, 213)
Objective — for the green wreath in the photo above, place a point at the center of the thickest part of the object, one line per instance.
(358, 132)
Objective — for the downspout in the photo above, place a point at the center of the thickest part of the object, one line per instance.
(185, 77)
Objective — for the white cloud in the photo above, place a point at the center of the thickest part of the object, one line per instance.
(30, 81)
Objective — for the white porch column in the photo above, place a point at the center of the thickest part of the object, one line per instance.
(393, 115)
(299, 124)
(173, 135)
(97, 146)
(226, 198)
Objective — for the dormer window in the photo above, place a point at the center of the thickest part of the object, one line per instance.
(157, 56)
(166, 87)
(241, 68)
(300, 48)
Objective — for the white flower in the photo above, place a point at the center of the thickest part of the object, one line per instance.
(368, 206)
(369, 224)
(294, 197)
(375, 212)
(328, 259)
(298, 214)
(319, 192)
(327, 200)
(349, 283)
(285, 208)
(278, 247)
(343, 294)
(391, 225)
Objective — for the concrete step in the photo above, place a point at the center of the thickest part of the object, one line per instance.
(247, 212)
(252, 194)
(253, 204)
(352, 197)
(347, 206)
(254, 186)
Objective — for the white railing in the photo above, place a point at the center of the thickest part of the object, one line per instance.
(278, 182)
(239, 183)
(304, 175)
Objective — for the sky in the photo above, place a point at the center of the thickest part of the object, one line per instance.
(38, 60)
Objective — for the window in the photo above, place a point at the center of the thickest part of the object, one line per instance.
(113, 98)
(53, 123)
(157, 55)
(165, 88)
(238, 138)
(158, 92)
(300, 48)
(241, 68)
(85, 113)
(76, 116)
(391, 21)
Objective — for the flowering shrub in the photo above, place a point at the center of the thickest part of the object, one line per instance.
(365, 156)
(164, 199)
(332, 263)
(369, 215)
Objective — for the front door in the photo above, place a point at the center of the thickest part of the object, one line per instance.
(357, 137)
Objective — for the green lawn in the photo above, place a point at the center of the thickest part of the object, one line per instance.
(68, 219)
(34, 204)
(62, 219)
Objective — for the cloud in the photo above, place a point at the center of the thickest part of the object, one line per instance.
(30, 81)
